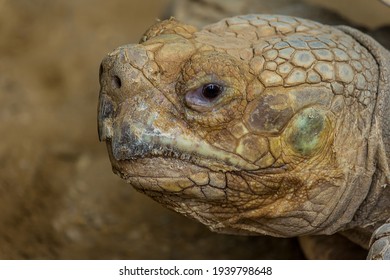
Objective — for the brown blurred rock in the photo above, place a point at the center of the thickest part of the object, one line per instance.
(201, 12)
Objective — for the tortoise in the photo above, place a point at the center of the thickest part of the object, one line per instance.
(257, 124)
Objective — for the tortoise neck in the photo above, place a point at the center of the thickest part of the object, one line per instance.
(376, 206)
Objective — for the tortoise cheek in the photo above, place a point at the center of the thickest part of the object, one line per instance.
(308, 131)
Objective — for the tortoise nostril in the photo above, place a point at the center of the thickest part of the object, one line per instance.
(116, 82)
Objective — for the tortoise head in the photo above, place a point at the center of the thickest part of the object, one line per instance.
(256, 124)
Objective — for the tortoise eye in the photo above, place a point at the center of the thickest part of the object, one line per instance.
(204, 96)
(211, 91)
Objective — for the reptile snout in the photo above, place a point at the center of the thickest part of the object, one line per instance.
(120, 80)
(132, 111)
(113, 70)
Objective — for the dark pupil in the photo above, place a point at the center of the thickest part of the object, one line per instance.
(211, 91)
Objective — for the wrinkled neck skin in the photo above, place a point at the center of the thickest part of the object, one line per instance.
(375, 208)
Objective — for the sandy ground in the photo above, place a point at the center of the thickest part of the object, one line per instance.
(58, 196)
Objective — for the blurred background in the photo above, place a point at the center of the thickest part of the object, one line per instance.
(58, 196)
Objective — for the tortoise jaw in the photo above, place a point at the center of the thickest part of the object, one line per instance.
(173, 178)
(177, 146)
(146, 168)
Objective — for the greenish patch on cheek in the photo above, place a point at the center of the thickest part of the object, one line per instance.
(305, 133)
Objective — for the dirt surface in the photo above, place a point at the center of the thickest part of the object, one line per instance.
(58, 196)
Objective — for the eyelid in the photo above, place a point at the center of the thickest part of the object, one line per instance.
(196, 97)
(200, 81)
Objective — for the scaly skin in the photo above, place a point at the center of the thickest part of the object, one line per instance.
(289, 141)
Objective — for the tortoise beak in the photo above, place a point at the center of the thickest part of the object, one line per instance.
(106, 107)
(105, 114)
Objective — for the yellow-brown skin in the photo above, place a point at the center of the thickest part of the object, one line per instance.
(288, 146)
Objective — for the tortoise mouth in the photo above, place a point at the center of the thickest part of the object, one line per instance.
(155, 154)
(156, 167)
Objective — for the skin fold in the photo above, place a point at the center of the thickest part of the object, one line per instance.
(257, 124)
